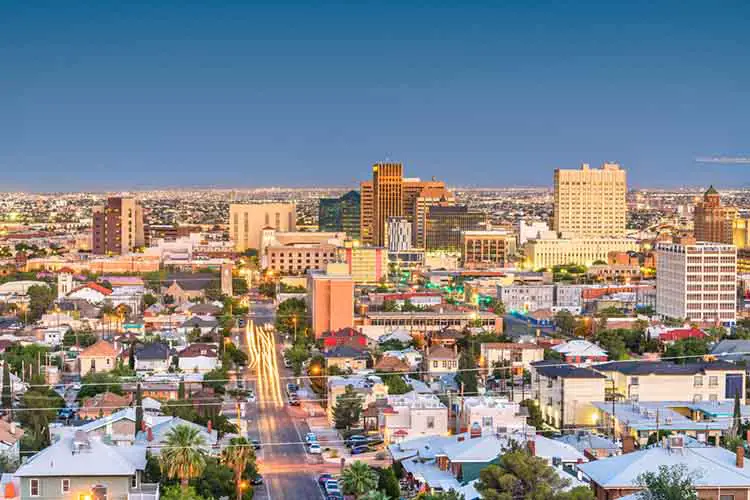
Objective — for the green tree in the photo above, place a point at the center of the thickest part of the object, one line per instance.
(395, 383)
(7, 394)
(390, 306)
(174, 492)
(41, 298)
(441, 495)
(467, 374)
(149, 300)
(669, 483)
(565, 322)
(535, 414)
(358, 478)
(375, 495)
(388, 482)
(519, 475)
(138, 409)
(348, 409)
(612, 342)
(94, 383)
(687, 350)
(291, 315)
(237, 456)
(297, 355)
(183, 456)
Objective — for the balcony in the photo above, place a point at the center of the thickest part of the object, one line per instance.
(145, 491)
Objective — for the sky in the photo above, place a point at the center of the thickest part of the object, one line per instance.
(115, 95)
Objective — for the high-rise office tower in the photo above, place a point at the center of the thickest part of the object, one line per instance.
(117, 226)
(366, 212)
(445, 224)
(388, 197)
(399, 234)
(246, 222)
(590, 201)
(429, 196)
(341, 214)
(712, 220)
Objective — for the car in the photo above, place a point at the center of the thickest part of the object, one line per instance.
(76, 387)
(360, 449)
(314, 449)
(291, 389)
(335, 496)
(66, 413)
(255, 444)
(257, 480)
(323, 478)
(250, 396)
(332, 486)
(355, 440)
(294, 400)
(310, 437)
(287, 363)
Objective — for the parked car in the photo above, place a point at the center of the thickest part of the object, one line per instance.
(335, 496)
(294, 400)
(291, 389)
(255, 444)
(310, 437)
(332, 486)
(363, 448)
(66, 413)
(257, 480)
(355, 440)
(250, 396)
(314, 449)
(323, 478)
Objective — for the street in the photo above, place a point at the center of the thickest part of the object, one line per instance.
(288, 471)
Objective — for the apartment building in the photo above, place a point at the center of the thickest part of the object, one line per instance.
(519, 356)
(564, 393)
(117, 227)
(246, 221)
(366, 265)
(697, 282)
(330, 297)
(486, 249)
(590, 201)
(664, 381)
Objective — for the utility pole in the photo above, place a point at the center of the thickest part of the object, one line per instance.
(614, 397)
(658, 433)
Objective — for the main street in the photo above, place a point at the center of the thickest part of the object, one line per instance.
(285, 467)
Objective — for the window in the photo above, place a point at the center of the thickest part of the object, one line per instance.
(486, 421)
(726, 497)
(697, 398)
(713, 397)
(698, 381)
(34, 488)
(134, 482)
(65, 485)
(633, 380)
(430, 422)
(713, 381)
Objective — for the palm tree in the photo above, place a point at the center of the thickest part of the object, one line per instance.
(183, 455)
(237, 456)
(358, 479)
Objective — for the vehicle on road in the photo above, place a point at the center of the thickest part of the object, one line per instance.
(257, 480)
(325, 477)
(335, 496)
(76, 387)
(314, 449)
(356, 440)
(250, 396)
(255, 444)
(294, 400)
(310, 437)
(359, 450)
(332, 486)
(291, 389)
(66, 413)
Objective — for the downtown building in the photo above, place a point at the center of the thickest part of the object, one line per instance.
(341, 214)
(697, 282)
(247, 221)
(117, 227)
(487, 249)
(446, 224)
(330, 299)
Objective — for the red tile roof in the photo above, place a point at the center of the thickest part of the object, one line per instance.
(100, 349)
(682, 333)
(94, 286)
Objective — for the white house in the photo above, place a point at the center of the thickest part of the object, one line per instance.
(410, 356)
(90, 292)
(491, 415)
(53, 336)
(200, 358)
(153, 358)
(414, 415)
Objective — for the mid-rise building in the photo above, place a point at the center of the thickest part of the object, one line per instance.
(486, 249)
(712, 220)
(366, 265)
(341, 214)
(429, 196)
(366, 212)
(246, 221)
(531, 230)
(388, 197)
(697, 281)
(590, 201)
(546, 253)
(446, 223)
(399, 234)
(117, 227)
(330, 297)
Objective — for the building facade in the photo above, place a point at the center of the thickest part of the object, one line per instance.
(246, 221)
(590, 202)
(366, 265)
(388, 197)
(485, 249)
(341, 214)
(299, 259)
(399, 234)
(446, 223)
(330, 300)
(117, 227)
(547, 253)
(697, 282)
(713, 221)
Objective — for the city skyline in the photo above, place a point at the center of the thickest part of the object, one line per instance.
(481, 95)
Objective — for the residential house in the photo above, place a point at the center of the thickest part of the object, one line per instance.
(91, 292)
(717, 473)
(370, 388)
(102, 405)
(205, 326)
(441, 360)
(411, 356)
(99, 357)
(593, 446)
(413, 415)
(732, 350)
(446, 337)
(580, 352)
(153, 357)
(346, 357)
(53, 336)
(161, 390)
(664, 381)
(198, 358)
(78, 467)
(398, 335)
(564, 393)
(391, 364)
(154, 437)
(205, 309)
(671, 336)
(345, 336)
(491, 415)
(516, 355)
(187, 287)
(10, 441)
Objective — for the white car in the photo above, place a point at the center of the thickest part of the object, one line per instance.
(314, 449)
(251, 397)
(310, 438)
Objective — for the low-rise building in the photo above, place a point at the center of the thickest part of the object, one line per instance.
(428, 321)
(550, 252)
(10, 441)
(441, 360)
(518, 356)
(346, 357)
(368, 387)
(102, 405)
(413, 415)
(100, 357)
(580, 352)
(153, 357)
(198, 358)
(491, 415)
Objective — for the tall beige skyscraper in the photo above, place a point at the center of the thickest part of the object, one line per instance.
(117, 227)
(590, 201)
(388, 197)
(246, 221)
(366, 212)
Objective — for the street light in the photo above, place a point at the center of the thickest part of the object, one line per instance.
(294, 320)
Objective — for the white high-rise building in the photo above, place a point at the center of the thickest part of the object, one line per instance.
(697, 281)
(399, 234)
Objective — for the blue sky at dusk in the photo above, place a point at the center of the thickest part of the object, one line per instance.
(107, 96)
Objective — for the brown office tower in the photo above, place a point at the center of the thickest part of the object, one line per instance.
(446, 223)
(713, 221)
(117, 227)
(388, 197)
(366, 215)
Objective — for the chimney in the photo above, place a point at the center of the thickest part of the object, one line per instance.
(531, 444)
(741, 457)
